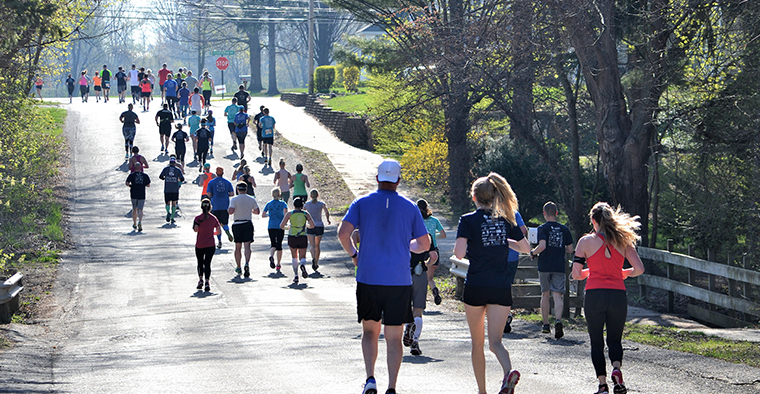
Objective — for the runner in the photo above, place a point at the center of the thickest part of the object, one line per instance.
(96, 84)
(192, 82)
(134, 83)
(267, 135)
(180, 76)
(184, 102)
(241, 129)
(239, 170)
(145, 91)
(485, 236)
(137, 182)
(136, 159)
(194, 123)
(163, 73)
(243, 98)
(420, 264)
(211, 124)
(605, 303)
(196, 101)
(164, 119)
(169, 92)
(172, 177)
(434, 228)
(297, 240)
(105, 82)
(129, 129)
(205, 225)
(282, 180)
(219, 191)
(390, 227)
(315, 209)
(299, 182)
(258, 129)
(152, 79)
(275, 210)
(230, 112)
(84, 86)
(121, 84)
(203, 137)
(179, 138)
(38, 82)
(513, 260)
(70, 86)
(243, 207)
(205, 177)
(207, 83)
(249, 181)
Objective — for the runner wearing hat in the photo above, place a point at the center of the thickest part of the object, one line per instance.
(243, 207)
(172, 176)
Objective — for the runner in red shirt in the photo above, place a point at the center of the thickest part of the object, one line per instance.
(162, 74)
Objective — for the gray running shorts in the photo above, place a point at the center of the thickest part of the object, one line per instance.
(419, 290)
(137, 204)
(554, 281)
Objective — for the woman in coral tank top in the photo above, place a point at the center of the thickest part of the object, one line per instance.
(605, 303)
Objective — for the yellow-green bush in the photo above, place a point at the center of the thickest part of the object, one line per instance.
(324, 76)
(351, 78)
(427, 163)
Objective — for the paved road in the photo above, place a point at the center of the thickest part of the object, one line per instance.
(128, 318)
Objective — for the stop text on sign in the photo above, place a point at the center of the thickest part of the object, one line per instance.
(222, 63)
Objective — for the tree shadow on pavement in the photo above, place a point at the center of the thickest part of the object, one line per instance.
(124, 167)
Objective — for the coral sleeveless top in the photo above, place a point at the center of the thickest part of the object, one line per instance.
(605, 272)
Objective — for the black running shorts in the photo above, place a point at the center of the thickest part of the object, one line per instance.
(242, 231)
(298, 242)
(276, 236)
(223, 216)
(316, 231)
(483, 295)
(231, 126)
(165, 129)
(390, 304)
(268, 140)
(169, 197)
(241, 136)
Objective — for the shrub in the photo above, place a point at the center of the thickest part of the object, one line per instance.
(324, 76)
(351, 78)
(427, 163)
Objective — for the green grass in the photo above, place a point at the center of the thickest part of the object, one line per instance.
(674, 338)
(354, 103)
(59, 116)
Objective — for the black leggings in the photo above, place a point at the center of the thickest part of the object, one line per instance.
(605, 307)
(202, 154)
(204, 256)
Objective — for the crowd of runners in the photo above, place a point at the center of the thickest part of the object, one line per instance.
(390, 229)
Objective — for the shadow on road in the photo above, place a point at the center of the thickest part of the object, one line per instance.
(124, 167)
(298, 286)
(420, 359)
(237, 279)
(315, 275)
(203, 294)
(275, 275)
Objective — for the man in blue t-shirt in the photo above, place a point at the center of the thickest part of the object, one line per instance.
(219, 191)
(170, 92)
(554, 241)
(241, 129)
(266, 123)
(230, 111)
(390, 227)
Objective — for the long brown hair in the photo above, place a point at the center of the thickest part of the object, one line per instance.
(618, 227)
(494, 191)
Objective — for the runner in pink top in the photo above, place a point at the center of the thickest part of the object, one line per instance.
(205, 225)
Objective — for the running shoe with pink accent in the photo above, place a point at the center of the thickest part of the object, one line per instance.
(509, 383)
(617, 380)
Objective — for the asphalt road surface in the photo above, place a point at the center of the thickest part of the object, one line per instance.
(129, 320)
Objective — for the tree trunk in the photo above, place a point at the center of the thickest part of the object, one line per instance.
(254, 51)
(272, 49)
(323, 44)
(456, 112)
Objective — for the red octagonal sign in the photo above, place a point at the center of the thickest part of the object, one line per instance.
(222, 63)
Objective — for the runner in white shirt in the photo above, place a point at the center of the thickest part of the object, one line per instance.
(134, 83)
(243, 207)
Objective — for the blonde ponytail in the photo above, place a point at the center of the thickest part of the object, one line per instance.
(494, 191)
(619, 228)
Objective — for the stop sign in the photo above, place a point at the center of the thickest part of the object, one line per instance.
(222, 63)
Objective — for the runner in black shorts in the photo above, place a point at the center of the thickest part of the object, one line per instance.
(258, 128)
(419, 264)
(243, 207)
(275, 210)
(297, 240)
(315, 208)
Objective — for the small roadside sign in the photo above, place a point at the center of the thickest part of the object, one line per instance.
(220, 89)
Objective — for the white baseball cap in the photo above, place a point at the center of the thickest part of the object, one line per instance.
(388, 171)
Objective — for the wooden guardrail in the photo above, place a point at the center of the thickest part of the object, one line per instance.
(740, 281)
(9, 297)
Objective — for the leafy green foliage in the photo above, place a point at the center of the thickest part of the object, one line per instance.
(324, 76)
(351, 78)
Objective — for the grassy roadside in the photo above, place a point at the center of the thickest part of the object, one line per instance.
(31, 210)
(673, 338)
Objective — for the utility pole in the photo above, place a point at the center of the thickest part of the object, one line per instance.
(311, 46)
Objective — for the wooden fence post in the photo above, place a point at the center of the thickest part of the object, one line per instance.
(710, 277)
(671, 275)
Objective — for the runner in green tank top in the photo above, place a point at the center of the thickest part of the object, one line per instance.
(297, 241)
(299, 182)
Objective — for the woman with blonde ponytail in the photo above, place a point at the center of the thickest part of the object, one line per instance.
(605, 303)
(486, 236)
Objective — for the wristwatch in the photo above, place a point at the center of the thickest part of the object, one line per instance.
(355, 254)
